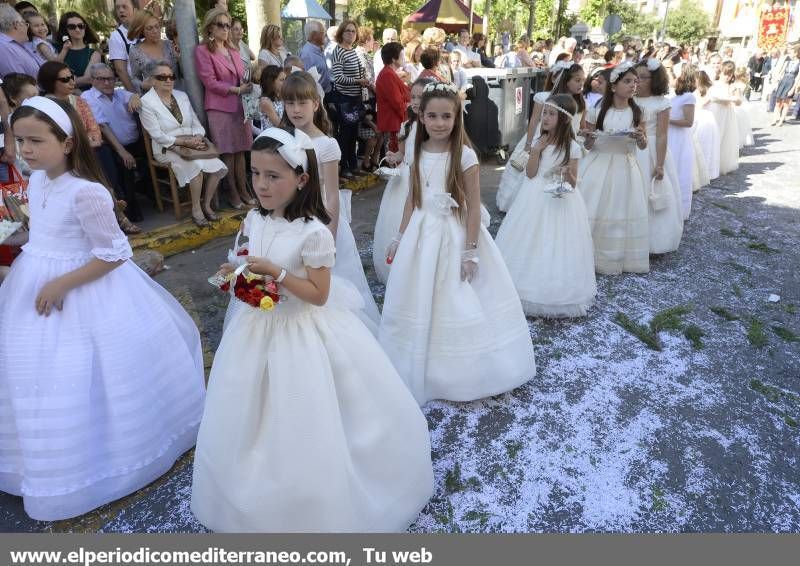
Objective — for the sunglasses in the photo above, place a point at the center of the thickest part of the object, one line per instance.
(66, 80)
(164, 78)
(223, 25)
(73, 27)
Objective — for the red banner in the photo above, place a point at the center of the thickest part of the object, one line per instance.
(772, 27)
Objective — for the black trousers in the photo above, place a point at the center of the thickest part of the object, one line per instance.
(123, 180)
(346, 134)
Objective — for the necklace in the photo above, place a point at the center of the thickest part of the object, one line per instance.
(47, 189)
(433, 168)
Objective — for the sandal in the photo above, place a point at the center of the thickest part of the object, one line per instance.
(201, 222)
(128, 227)
(210, 215)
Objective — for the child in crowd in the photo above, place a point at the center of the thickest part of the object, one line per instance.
(545, 241)
(595, 86)
(564, 78)
(308, 427)
(724, 97)
(611, 181)
(101, 370)
(38, 44)
(393, 201)
(452, 321)
(682, 145)
(742, 87)
(661, 182)
(705, 128)
(303, 110)
(270, 105)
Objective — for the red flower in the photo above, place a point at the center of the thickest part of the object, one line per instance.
(243, 251)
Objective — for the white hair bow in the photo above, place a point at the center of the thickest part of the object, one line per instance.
(619, 70)
(561, 66)
(653, 64)
(293, 147)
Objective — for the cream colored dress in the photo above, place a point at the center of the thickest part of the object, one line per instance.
(612, 185)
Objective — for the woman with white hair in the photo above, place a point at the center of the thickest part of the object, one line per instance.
(172, 124)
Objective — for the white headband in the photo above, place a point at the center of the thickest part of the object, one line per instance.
(557, 107)
(293, 147)
(619, 70)
(653, 64)
(53, 110)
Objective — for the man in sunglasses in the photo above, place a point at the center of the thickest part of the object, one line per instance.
(114, 110)
(14, 58)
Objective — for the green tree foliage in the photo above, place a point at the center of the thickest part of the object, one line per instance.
(380, 14)
(689, 23)
(634, 23)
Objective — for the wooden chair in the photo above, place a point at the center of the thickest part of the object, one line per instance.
(168, 184)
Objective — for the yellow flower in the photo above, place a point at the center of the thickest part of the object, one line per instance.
(250, 277)
(267, 304)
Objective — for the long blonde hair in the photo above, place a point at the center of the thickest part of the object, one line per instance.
(209, 20)
(454, 182)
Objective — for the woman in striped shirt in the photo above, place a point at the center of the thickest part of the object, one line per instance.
(349, 81)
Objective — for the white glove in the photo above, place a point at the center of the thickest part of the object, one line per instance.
(469, 265)
(392, 249)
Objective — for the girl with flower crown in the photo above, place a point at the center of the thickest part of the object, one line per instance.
(546, 241)
(661, 181)
(101, 370)
(307, 426)
(564, 78)
(452, 322)
(611, 181)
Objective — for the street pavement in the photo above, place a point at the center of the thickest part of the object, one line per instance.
(699, 431)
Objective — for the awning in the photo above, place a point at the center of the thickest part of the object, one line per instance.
(450, 15)
(302, 9)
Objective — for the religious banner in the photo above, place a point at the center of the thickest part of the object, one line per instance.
(772, 26)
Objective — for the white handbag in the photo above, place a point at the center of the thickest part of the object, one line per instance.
(519, 159)
(658, 195)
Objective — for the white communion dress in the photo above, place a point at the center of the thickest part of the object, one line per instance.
(547, 245)
(307, 426)
(743, 118)
(390, 213)
(348, 261)
(666, 224)
(706, 133)
(612, 185)
(724, 113)
(448, 338)
(98, 399)
(683, 150)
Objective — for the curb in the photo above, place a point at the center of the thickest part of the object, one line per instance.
(185, 236)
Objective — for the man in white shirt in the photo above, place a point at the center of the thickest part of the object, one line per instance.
(469, 58)
(389, 36)
(119, 45)
(114, 111)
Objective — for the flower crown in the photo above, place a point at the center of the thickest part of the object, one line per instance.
(620, 69)
(653, 64)
(436, 86)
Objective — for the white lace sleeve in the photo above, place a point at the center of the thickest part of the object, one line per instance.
(319, 249)
(95, 211)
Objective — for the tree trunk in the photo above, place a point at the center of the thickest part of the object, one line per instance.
(186, 22)
(531, 17)
(259, 14)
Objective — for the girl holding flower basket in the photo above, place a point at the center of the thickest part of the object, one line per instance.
(308, 427)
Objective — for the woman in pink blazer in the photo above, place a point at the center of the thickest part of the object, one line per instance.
(221, 71)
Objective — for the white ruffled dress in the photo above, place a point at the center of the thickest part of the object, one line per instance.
(666, 224)
(725, 114)
(683, 149)
(390, 213)
(307, 426)
(612, 185)
(450, 339)
(348, 261)
(546, 243)
(98, 399)
(706, 134)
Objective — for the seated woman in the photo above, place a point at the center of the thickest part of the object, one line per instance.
(169, 119)
(146, 28)
(57, 80)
